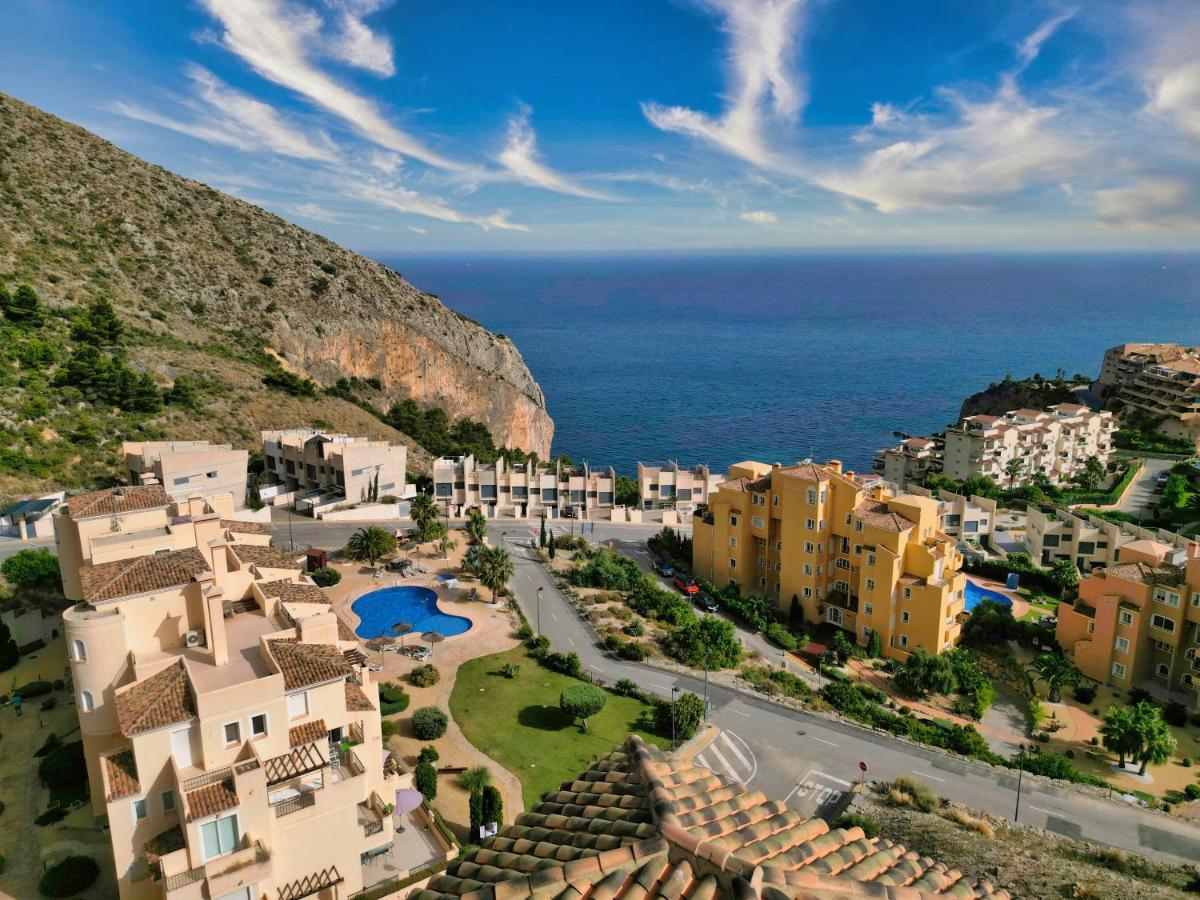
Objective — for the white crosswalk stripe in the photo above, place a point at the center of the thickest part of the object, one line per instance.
(729, 756)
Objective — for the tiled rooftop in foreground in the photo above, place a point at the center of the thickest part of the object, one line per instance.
(642, 824)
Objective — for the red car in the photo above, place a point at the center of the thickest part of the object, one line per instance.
(687, 585)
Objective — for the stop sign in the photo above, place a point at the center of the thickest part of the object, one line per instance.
(862, 766)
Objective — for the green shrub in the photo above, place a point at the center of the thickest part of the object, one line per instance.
(428, 754)
(34, 689)
(392, 699)
(680, 718)
(707, 643)
(30, 567)
(582, 701)
(627, 687)
(425, 675)
(425, 780)
(769, 680)
(510, 670)
(539, 646)
(524, 631)
(564, 663)
(1084, 693)
(63, 767)
(389, 728)
(69, 877)
(50, 816)
(922, 797)
(780, 636)
(325, 577)
(52, 742)
(429, 723)
(857, 820)
(633, 651)
(1175, 713)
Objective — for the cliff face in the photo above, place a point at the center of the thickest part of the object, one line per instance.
(1002, 396)
(188, 266)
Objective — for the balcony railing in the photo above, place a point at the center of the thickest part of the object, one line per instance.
(295, 804)
(371, 828)
(213, 777)
(183, 879)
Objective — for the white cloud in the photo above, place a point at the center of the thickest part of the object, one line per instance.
(1175, 94)
(356, 44)
(415, 230)
(1151, 203)
(760, 217)
(520, 157)
(314, 212)
(385, 161)
(1031, 46)
(233, 119)
(279, 40)
(405, 200)
(762, 38)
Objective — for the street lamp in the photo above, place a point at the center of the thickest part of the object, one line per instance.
(674, 691)
(1020, 777)
(539, 612)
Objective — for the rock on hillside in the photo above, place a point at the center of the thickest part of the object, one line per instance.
(1001, 396)
(196, 269)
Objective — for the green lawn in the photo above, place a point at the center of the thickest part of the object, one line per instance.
(517, 722)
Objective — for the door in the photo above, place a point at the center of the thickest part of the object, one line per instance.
(181, 747)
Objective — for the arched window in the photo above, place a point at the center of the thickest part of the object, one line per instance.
(78, 651)
(86, 703)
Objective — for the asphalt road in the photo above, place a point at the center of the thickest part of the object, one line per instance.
(809, 760)
(1141, 497)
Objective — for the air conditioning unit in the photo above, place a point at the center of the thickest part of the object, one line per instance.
(194, 638)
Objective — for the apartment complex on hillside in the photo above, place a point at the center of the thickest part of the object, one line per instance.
(521, 491)
(1088, 541)
(1160, 380)
(226, 715)
(186, 468)
(1137, 622)
(323, 469)
(970, 519)
(672, 487)
(909, 461)
(850, 551)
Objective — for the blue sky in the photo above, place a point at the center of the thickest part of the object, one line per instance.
(534, 125)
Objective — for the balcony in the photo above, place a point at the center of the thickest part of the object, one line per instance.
(294, 804)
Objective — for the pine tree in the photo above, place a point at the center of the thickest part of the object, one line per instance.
(99, 325)
(24, 307)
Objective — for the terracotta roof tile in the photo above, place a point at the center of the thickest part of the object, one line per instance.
(356, 699)
(121, 770)
(141, 575)
(876, 513)
(210, 799)
(307, 733)
(245, 527)
(114, 501)
(304, 665)
(268, 557)
(1144, 573)
(165, 698)
(807, 472)
(294, 591)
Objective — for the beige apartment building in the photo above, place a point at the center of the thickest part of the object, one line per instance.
(226, 716)
(521, 491)
(909, 461)
(851, 552)
(673, 487)
(188, 468)
(1137, 622)
(322, 470)
(1052, 534)
(1056, 443)
(971, 519)
(1160, 380)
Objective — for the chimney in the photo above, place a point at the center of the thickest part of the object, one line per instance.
(834, 465)
(214, 624)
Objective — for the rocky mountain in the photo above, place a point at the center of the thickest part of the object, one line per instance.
(223, 292)
(1027, 393)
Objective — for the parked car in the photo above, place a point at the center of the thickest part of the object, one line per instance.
(665, 569)
(568, 512)
(706, 602)
(687, 585)
(1161, 481)
(1048, 620)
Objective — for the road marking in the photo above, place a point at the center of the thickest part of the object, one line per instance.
(704, 762)
(823, 741)
(810, 784)
(723, 762)
(740, 713)
(741, 768)
(1046, 811)
(571, 642)
(927, 775)
(734, 750)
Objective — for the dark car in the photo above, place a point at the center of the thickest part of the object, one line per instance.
(568, 512)
(706, 602)
(665, 569)
(687, 585)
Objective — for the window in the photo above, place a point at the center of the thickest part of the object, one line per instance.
(78, 651)
(220, 836)
(210, 474)
(733, 520)
(168, 801)
(1168, 598)
(774, 499)
(808, 570)
(258, 725)
(904, 617)
(1161, 670)
(86, 702)
(907, 593)
(758, 500)
(1125, 617)
(1091, 627)
(870, 559)
(903, 640)
(812, 497)
(808, 547)
(1162, 623)
(139, 809)
(858, 526)
(232, 732)
(808, 592)
(1118, 670)
(733, 543)
(866, 631)
(870, 584)
(834, 615)
(732, 563)
(1122, 645)
(298, 705)
(868, 609)
(1196, 599)
(443, 489)
(810, 524)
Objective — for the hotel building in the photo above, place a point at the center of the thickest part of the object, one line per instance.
(322, 469)
(227, 718)
(1137, 622)
(1160, 380)
(521, 491)
(188, 468)
(672, 487)
(850, 551)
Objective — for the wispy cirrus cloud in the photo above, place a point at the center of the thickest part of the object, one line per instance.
(355, 43)
(762, 42)
(280, 41)
(223, 115)
(520, 158)
(403, 199)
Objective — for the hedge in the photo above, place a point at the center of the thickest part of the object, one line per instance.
(392, 699)
(34, 689)
(69, 877)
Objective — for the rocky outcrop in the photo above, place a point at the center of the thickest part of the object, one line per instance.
(1002, 396)
(192, 267)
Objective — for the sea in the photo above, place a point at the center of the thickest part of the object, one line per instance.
(716, 358)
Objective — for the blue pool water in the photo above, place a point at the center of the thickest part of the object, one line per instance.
(974, 594)
(379, 610)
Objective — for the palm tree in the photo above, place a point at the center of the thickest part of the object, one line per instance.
(476, 527)
(473, 558)
(445, 545)
(424, 512)
(475, 779)
(1156, 741)
(1119, 733)
(496, 567)
(370, 544)
(1055, 671)
(1012, 469)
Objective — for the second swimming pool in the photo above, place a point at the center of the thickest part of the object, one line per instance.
(379, 610)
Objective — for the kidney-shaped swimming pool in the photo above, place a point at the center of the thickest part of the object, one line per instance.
(379, 610)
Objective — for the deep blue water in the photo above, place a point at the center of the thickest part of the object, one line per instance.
(719, 358)
(379, 610)
(973, 595)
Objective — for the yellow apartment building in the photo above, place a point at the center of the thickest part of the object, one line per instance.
(1137, 622)
(226, 715)
(853, 554)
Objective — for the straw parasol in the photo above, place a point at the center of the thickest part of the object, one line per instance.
(433, 637)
